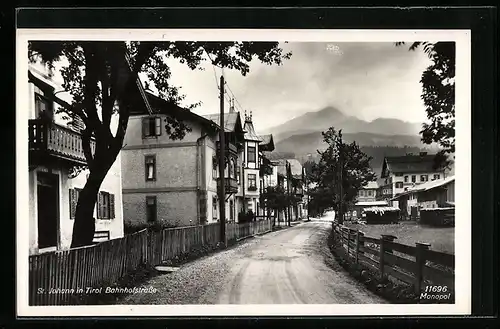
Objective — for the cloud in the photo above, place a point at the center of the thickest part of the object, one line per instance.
(366, 80)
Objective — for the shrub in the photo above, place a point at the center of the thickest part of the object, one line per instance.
(245, 217)
(132, 227)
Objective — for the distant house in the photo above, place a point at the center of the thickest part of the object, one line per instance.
(439, 193)
(367, 198)
(368, 192)
(403, 172)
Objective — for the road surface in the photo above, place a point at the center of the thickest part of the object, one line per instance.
(290, 266)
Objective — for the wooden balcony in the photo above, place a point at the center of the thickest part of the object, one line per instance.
(230, 147)
(48, 140)
(231, 185)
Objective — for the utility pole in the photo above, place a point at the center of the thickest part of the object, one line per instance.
(288, 191)
(222, 166)
(341, 194)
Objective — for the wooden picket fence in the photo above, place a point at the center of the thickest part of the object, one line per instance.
(56, 278)
(416, 265)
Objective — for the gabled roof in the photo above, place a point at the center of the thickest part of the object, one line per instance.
(250, 134)
(409, 164)
(232, 121)
(267, 142)
(161, 106)
(281, 164)
(295, 167)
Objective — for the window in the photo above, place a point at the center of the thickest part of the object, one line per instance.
(399, 184)
(151, 209)
(105, 205)
(42, 107)
(74, 194)
(413, 178)
(436, 176)
(150, 161)
(251, 154)
(370, 192)
(234, 169)
(424, 178)
(214, 167)
(214, 207)
(399, 174)
(406, 179)
(238, 174)
(231, 210)
(151, 127)
(252, 182)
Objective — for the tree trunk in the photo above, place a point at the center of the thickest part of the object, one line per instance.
(84, 225)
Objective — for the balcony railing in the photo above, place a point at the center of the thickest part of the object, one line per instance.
(230, 147)
(50, 138)
(230, 185)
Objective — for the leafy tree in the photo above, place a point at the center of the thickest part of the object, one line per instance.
(339, 158)
(275, 198)
(438, 94)
(101, 77)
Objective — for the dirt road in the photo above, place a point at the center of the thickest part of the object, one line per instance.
(284, 267)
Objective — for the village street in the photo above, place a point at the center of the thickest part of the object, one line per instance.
(283, 267)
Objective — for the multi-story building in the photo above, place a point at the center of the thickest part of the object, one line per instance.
(368, 193)
(439, 193)
(403, 172)
(55, 148)
(176, 181)
(366, 199)
(250, 159)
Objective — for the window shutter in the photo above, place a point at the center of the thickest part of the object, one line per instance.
(99, 205)
(71, 203)
(158, 126)
(145, 127)
(111, 206)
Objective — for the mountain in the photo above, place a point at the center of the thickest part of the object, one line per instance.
(374, 145)
(317, 121)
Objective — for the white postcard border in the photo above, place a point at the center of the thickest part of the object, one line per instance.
(463, 291)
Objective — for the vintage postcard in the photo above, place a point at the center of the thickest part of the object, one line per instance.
(243, 172)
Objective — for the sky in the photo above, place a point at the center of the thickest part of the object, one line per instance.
(362, 79)
(366, 80)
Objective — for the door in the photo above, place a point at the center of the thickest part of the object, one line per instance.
(48, 210)
(414, 212)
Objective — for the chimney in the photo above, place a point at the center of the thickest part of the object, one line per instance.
(423, 153)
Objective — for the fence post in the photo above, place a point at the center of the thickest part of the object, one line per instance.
(384, 249)
(348, 238)
(420, 260)
(359, 244)
(351, 235)
(390, 238)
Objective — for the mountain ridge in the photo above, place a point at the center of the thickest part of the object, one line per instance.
(314, 121)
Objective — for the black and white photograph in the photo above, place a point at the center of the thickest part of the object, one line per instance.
(240, 172)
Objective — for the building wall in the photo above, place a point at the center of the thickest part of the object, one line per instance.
(450, 192)
(394, 179)
(183, 168)
(173, 208)
(111, 184)
(363, 197)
